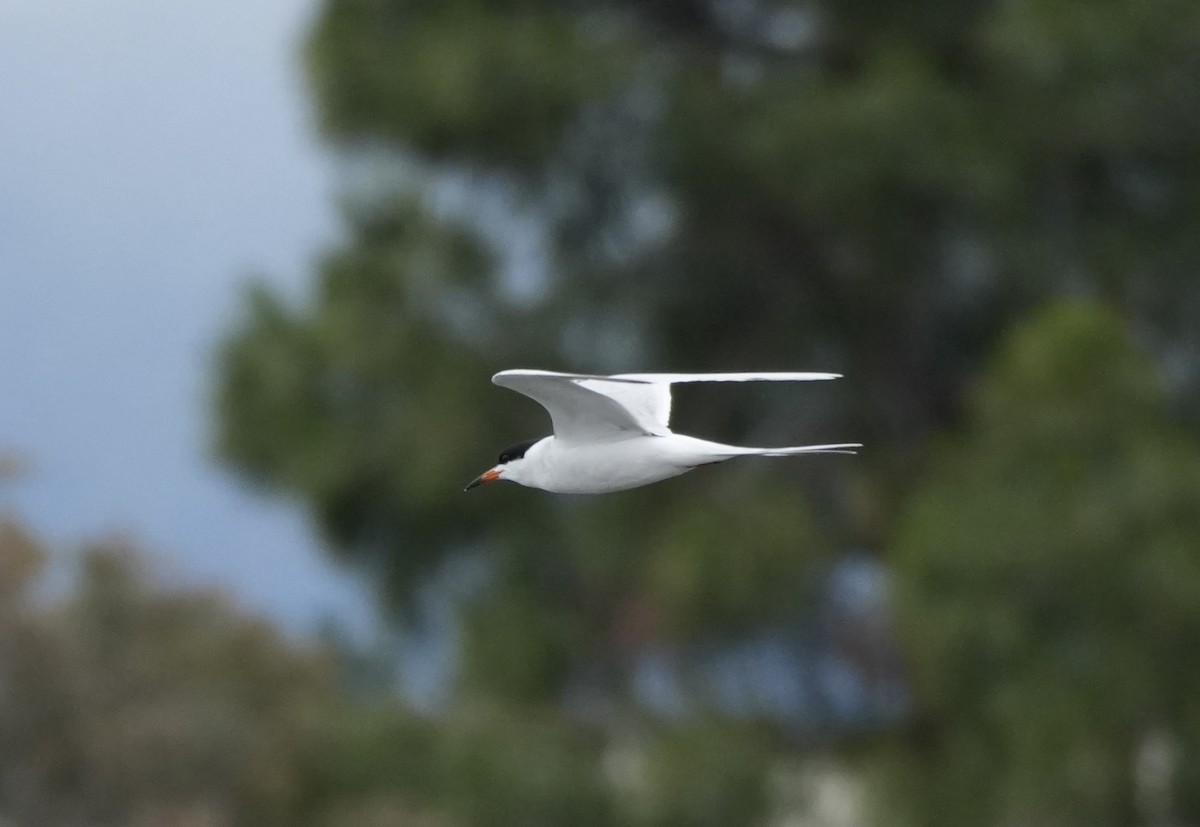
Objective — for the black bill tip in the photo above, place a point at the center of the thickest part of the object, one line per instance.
(487, 476)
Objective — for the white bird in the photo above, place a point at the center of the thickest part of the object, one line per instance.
(611, 433)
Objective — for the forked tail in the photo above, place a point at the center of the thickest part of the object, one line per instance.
(722, 451)
(838, 448)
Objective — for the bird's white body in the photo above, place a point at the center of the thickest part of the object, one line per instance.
(615, 465)
(611, 432)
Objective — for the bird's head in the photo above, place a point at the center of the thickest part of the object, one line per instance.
(509, 466)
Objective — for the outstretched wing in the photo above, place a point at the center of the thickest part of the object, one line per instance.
(585, 407)
(650, 403)
(647, 401)
(579, 411)
(769, 376)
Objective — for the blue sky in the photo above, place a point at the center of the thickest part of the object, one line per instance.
(152, 156)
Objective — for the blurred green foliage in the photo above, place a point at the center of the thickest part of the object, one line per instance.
(898, 193)
(127, 704)
(705, 777)
(1047, 576)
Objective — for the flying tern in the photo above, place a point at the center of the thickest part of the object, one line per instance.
(611, 432)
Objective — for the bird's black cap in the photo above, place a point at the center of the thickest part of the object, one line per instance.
(515, 451)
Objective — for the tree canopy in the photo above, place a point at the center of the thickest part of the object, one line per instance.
(856, 186)
(1047, 576)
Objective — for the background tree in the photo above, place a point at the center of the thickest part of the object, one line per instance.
(126, 703)
(712, 185)
(1047, 579)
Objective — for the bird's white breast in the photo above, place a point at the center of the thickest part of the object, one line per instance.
(615, 465)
